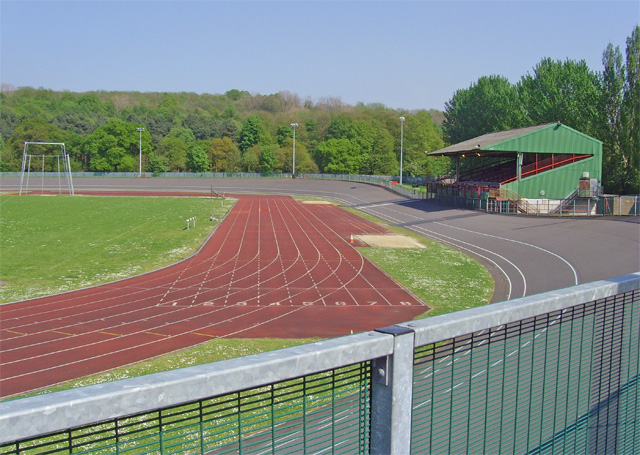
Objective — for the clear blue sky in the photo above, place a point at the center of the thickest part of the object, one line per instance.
(403, 54)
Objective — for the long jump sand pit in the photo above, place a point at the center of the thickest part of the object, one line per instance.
(389, 241)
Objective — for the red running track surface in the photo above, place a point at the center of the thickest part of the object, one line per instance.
(274, 268)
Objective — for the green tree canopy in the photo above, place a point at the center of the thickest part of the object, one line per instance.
(423, 135)
(619, 112)
(339, 156)
(566, 92)
(219, 152)
(491, 104)
(267, 160)
(197, 159)
(173, 152)
(253, 132)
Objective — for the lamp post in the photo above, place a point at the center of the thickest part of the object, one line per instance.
(293, 172)
(401, 141)
(140, 130)
(426, 184)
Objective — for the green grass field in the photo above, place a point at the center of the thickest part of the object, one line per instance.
(53, 244)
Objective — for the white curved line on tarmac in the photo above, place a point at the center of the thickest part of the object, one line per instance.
(458, 244)
(573, 270)
(575, 273)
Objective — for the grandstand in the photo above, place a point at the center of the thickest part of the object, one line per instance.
(544, 162)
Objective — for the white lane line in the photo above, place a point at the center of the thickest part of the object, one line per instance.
(573, 270)
(458, 244)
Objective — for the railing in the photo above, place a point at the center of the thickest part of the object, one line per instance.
(458, 195)
(604, 205)
(545, 165)
(554, 372)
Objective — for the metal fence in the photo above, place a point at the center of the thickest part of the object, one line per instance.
(604, 205)
(421, 188)
(555, 372)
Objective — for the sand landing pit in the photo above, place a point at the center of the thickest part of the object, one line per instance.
(317, 202)
(389, 241)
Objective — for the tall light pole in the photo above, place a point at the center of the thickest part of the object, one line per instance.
(140, 130)
(293, 172)
(401, 141)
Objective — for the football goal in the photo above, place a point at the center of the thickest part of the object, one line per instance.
(48, 164)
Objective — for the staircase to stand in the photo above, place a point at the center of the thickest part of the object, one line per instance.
(505, 194)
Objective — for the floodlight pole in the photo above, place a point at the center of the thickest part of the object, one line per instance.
(140, 130)
(401, 143)
(293, 172)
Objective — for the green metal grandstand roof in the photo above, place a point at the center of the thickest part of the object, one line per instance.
(547, 138)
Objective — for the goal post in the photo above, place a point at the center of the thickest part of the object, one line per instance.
(58, 164)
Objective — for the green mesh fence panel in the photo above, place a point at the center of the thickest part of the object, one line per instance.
(563, 382)
(327, 412)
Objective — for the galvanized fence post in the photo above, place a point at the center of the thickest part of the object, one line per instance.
(392, 395)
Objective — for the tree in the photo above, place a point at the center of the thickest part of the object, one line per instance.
(267, 160)
(339, 156)
(380, 158)
(283, 133)
(8, 121)
(631, 116)
(115, 147)
(219, 152)
(204, 127)
(173, 151)
(197, 159)
(489, 105)
(620, 122)
(235, 94)
(156, 165)
(184, 134)
(234, 161)
(566, 92)
(341, 127)
(251, 159)
(611, 108)
(30, 130)
(304, 162)
(252, 133)
(75, 122)
(422, 135)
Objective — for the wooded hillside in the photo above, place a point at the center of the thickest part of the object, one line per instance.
(233, 132)
(243, 132)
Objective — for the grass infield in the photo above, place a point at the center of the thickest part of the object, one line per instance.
(52, 244)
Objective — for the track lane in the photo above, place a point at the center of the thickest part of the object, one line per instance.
(288, 272)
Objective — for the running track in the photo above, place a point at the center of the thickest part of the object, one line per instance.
(526, 255)
(275, 267)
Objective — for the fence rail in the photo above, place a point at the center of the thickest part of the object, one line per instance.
(471, 196)
(553, 372)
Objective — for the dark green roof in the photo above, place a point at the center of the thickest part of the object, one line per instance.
(547, 138)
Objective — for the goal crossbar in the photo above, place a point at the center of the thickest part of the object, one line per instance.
(26, 166)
